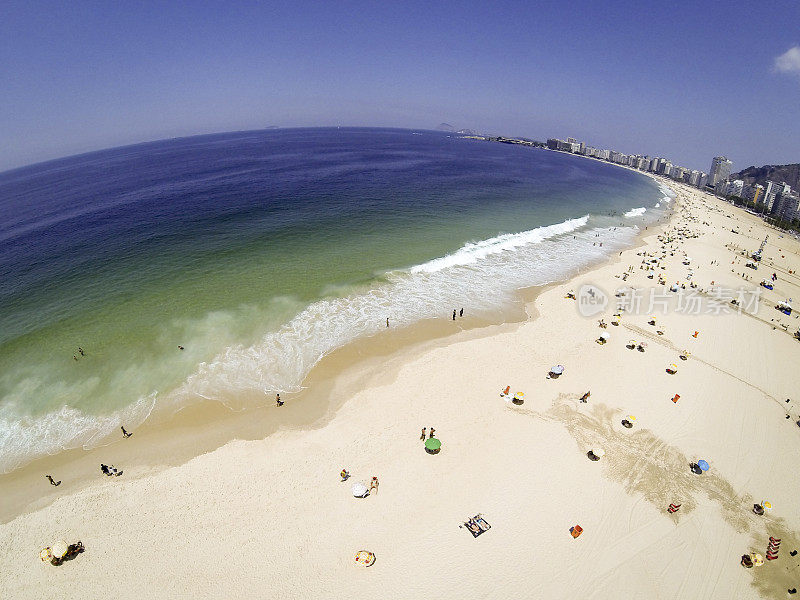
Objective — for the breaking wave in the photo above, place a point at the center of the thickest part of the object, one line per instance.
(480, 276)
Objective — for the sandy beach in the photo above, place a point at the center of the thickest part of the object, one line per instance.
(269, 516)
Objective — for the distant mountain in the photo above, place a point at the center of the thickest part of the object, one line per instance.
(777, 173)
(445, 127)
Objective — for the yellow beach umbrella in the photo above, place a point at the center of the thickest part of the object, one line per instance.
(766, 505)
(631, 418)
(673, 367)
(758, 560)
(59, 549)
(46, 555)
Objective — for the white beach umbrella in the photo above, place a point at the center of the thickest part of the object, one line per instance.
(59, 549)
(359, 490)
(599, 453)
(605, 336)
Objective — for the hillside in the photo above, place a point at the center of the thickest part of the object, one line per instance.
(777, 173)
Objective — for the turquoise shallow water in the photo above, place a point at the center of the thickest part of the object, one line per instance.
(259, 253)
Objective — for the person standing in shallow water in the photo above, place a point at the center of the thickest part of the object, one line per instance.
(278, 400)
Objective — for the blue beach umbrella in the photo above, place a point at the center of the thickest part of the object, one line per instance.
(558, 370)
(703, 465)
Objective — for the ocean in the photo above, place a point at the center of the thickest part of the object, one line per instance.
(259, 253)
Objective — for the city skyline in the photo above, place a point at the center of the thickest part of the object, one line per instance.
(80, 78)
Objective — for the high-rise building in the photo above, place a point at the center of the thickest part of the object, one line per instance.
(754, 192)
(772, 189)
(785, 206)
(736, 188)
(720, 170)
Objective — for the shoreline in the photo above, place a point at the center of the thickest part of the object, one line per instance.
(167, 440)
(195, 528)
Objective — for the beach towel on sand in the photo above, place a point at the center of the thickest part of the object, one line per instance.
(476, 525)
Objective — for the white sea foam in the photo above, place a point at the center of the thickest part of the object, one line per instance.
(635, 212)
(657, 205)
(473, 252)
(24, 439)
(480, 277)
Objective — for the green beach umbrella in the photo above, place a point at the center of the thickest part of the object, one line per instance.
(433, 444)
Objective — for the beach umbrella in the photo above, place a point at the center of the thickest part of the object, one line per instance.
(703, 465)
(673, 367)
(432, 444)
(558, 369)
(599, 453)
(766, 505)
(632, 343)
(359, 490)
(46, 555)
(365, 558)
(605, 336)
(631, 418)
(59, 549)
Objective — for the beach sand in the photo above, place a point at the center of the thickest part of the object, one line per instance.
(271, 518)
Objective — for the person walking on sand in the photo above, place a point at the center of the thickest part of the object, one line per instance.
(432, 431)
(278, 400)
(387, 321)
(125, 434)
(454, 314)
(74, 357)
(373, 485)
(50, 479)
(461, 313)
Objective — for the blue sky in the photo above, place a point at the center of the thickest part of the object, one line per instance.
(683, 80)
